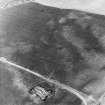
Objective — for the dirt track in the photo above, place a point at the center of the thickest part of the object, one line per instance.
(84, 98)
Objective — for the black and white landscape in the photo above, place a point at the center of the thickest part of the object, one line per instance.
(64, 45)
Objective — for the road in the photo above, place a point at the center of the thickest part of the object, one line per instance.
(83, 97)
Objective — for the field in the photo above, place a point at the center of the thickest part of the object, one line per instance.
(65, 45)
